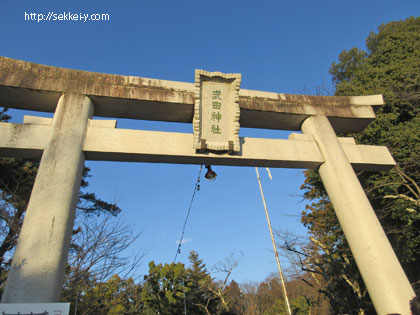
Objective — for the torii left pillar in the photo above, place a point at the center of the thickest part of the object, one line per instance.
(36, 273)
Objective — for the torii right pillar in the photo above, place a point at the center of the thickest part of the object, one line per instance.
(381, 271)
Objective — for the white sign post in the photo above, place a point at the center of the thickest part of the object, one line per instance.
(35, 309)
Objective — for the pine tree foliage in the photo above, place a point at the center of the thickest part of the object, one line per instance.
(169, 288)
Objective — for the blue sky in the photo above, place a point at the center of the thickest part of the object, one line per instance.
(277, 46)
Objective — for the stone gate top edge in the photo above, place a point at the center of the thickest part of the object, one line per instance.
(32, 86)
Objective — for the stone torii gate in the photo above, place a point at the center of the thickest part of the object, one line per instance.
(71, 137)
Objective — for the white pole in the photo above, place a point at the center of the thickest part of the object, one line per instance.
(286, 299)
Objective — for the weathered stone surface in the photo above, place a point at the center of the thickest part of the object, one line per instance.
(216, 111)
(109, 144)
(381, 271)
(36, 274)
(37, 270)
(32, 86)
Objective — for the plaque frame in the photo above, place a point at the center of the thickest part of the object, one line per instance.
(233, 80)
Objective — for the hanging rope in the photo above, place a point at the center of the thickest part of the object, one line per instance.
(274, 242)
(196, 188)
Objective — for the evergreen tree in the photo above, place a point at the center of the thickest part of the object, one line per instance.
(235, 298)
(170, 288)
(116, 296)
(199, 296)
(163, 289)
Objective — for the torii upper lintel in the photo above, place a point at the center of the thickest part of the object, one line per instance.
(32, 86)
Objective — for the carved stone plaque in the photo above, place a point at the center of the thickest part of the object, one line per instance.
(216, 111)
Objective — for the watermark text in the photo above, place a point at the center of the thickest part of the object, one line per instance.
(65, 16)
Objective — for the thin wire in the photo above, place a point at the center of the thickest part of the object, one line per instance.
(197, 187)
(274, 243)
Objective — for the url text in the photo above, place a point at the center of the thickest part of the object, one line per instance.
(66, 16)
